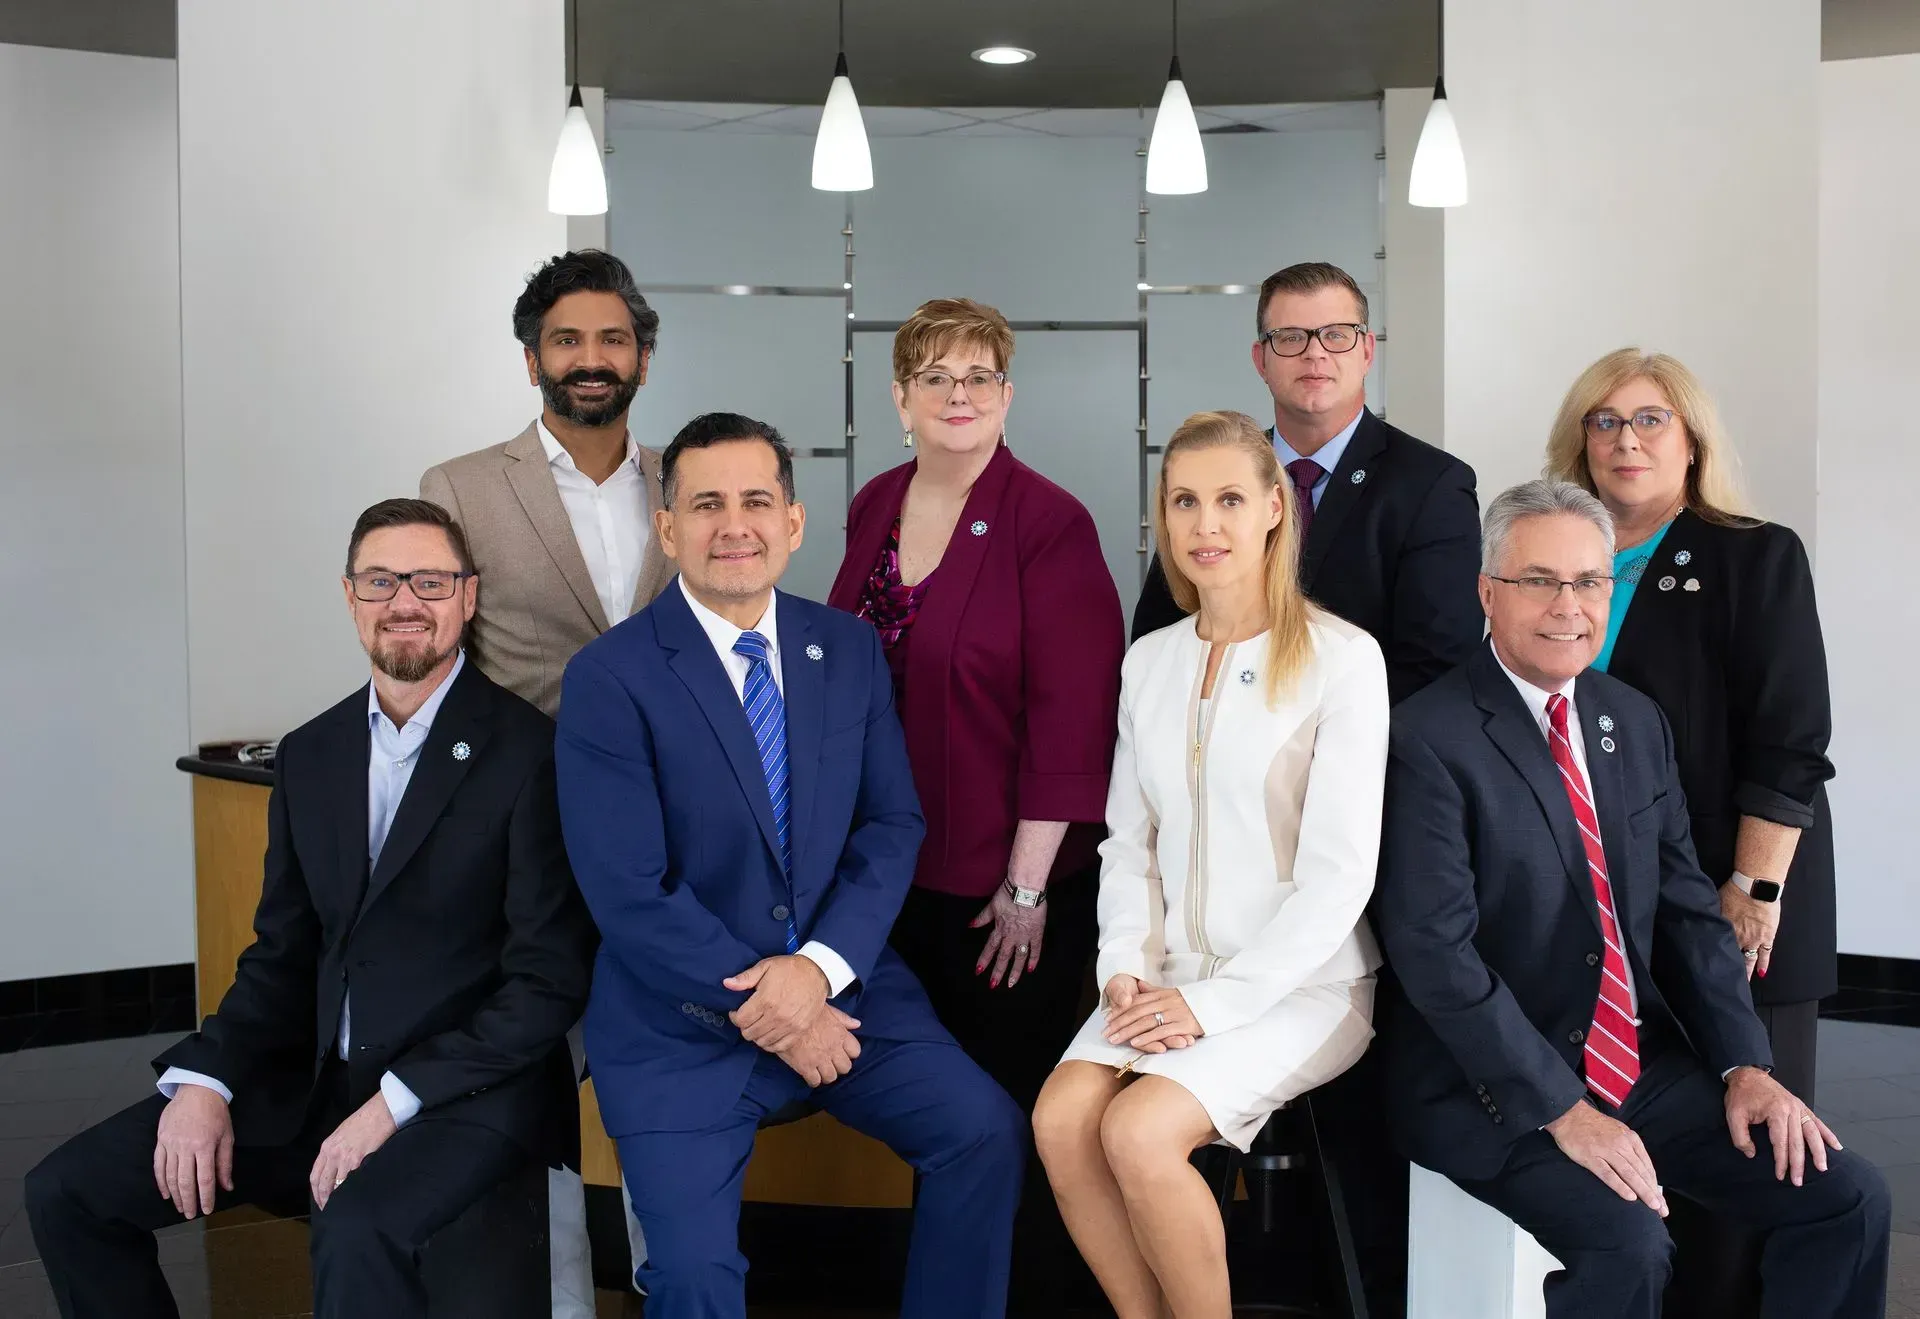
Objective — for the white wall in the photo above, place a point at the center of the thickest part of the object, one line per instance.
(1414, 317)
(1642, 172)
(95, 847)
(1869, 344)
(1041, 226)
(362, 195)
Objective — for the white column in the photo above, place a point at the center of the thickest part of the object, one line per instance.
(1642, 172)
(362, 195)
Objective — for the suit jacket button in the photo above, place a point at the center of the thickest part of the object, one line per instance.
(780, 912)
(1593, 959)
(1498, 1120)
(687, 1008)
(1576, 1037)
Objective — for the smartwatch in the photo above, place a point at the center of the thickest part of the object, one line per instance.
(1760, 890)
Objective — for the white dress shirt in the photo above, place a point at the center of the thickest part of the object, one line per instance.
(392, 754)
(723, 635)
(610, 521)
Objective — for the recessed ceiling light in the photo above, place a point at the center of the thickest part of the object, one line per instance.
(1003, 55)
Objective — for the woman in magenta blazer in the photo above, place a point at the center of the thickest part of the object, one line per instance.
(1005, 635)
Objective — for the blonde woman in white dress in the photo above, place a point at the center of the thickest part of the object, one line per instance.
(1244, 813)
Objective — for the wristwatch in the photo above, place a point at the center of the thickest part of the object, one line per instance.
(1025, 897)
(1760, 890)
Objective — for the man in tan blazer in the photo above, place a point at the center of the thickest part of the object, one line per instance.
(560, 523)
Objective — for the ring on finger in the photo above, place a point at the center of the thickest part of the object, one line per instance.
(1750, 953)
(1159, 1018)
(1807, 1119)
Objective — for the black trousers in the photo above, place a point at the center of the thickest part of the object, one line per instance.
(1827, 1241)
(1016, 1036)
(94, 1209)
(1716, 1261)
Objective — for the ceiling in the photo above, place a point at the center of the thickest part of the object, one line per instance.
(914, 52)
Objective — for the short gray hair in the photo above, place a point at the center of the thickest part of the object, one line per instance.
(1536, 499)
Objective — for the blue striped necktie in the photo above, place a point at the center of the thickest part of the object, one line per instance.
(767, 716)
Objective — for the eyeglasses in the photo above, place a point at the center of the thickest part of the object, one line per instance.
(1291, 340)
(1646, 423)
(425, 583)
(1545, 590)
(983, 387)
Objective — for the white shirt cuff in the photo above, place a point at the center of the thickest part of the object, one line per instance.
(174, 1077)
(832, 965)
(401, 1102)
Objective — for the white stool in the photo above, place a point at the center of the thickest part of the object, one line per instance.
(1466, 1260)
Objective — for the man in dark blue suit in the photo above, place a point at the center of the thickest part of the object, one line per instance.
(741, 817)
(1573, 1030)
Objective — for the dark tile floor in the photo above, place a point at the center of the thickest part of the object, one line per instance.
(245, 1268)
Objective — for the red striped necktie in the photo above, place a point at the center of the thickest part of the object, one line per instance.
(1613, 1044)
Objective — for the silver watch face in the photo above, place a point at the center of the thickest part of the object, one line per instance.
(1026, 897)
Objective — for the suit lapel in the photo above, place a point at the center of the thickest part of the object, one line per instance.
(345, 773)
(1343, 493)
(696, 665)
(1653, 614)
(656, 569)
(531, 478)
(936, 628)
(466, 716)
(1513, 730)
(805, 693)
(1608, 783)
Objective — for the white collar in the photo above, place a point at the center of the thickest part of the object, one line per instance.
(1535, 697)
(723, 634)
(557, 456)
(425, 714)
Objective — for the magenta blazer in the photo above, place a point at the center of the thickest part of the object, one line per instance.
(1013, 671)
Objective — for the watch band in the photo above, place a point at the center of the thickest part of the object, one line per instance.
(1760, 890)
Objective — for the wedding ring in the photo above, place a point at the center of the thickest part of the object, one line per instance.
(1750, 953)
(1159, 1018)
(338, 1182)
(1807, 1119)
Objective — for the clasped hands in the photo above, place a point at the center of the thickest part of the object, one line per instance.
(1148, 1018)
(788, 1015)
(1612, 1151)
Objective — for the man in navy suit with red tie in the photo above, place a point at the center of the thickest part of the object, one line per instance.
(1573, 1032)
(740, 812)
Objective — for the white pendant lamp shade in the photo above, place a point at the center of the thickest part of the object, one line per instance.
(577, 184)
(1176, 161)
(841, 160)
(1439, 167)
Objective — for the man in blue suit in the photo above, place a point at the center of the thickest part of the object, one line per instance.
(741, 817)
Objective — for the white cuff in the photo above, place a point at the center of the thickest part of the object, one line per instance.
(832, 965)
(401, 1102)
(174, 1077)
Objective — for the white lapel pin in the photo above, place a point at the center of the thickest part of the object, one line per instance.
(814, 653)
(1683, 557)
(1246, 677)
(1693, 584)
(461, 750)
(1359, 475)
(1668, 583)
(978, 528)
(1606, 723)
(1606, 744)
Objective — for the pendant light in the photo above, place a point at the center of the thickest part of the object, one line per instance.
(1439, 169)
(577, 183)
(1176, 161)
(841, 161)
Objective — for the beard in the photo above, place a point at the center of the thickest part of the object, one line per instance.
(604, 412)
(408, 663)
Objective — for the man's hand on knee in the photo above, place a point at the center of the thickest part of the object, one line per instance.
(194, 1149)
(1611, 1151)
(364, 1131)
(788, 994)
(825, 1051)
(1799, 1138)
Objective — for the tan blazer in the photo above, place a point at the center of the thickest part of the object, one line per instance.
(537, 602)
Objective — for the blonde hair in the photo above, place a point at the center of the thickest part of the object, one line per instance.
(1289, 643)
(938, 327)
(1712, 491)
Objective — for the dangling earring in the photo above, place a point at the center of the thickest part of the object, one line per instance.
(906, 439)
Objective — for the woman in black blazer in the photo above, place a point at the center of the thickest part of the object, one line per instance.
(1713, 617)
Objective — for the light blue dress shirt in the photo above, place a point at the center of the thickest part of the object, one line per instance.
(1328, 455)
(391, 757)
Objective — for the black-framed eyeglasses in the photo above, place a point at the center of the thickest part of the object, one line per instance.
(982, 386)
(1545, 590)
(377, 584)
(1292, 340)
(1646, 423)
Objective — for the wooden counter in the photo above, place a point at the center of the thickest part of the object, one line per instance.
(815, 1161)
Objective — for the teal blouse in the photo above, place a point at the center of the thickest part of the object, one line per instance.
(1628, 566)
